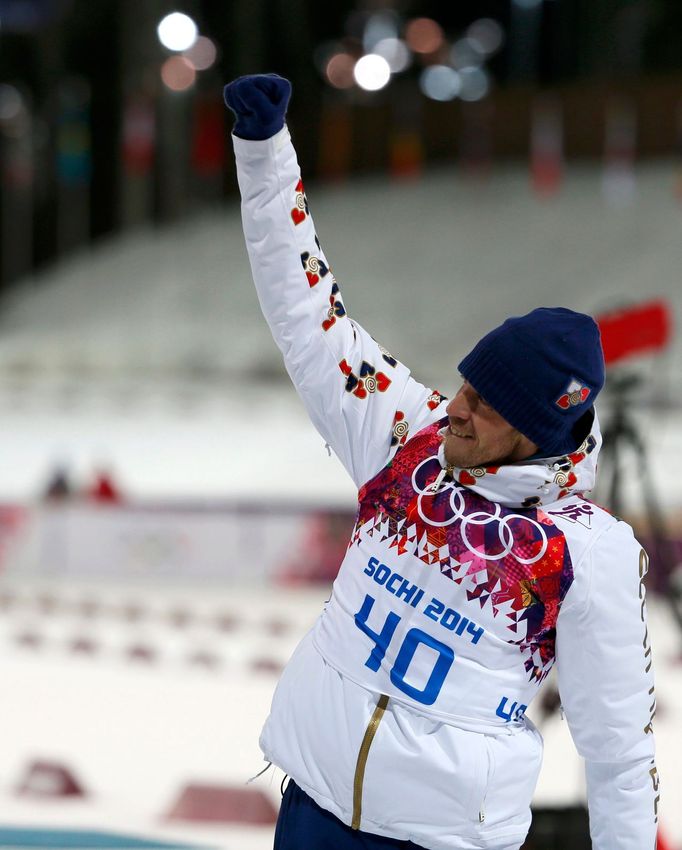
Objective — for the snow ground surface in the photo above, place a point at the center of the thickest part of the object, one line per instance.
(135, 732)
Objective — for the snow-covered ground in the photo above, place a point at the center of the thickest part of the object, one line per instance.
(135, 732)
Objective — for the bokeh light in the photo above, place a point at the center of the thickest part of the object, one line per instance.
(475, 84)
(11, 102)
(177, 32)
(202, 54)
(440, 82)
(486, 35)
(339, 71)
(527, 4)
(395, 52)
(372, 72)
(465, 53)
(178, 73)
(424, 35)
(378, 27)
(15, 119)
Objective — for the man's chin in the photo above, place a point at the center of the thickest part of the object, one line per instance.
(463, 460)
(467, 460)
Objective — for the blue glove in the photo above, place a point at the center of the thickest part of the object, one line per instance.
(259, 102)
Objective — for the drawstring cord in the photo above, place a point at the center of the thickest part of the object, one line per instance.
(260, 773)
(444, 473)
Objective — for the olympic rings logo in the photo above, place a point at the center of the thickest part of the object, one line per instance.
(457, 505)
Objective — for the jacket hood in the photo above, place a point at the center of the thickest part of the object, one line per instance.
(530, 483)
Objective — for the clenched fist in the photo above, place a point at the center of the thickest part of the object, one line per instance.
(259, 102)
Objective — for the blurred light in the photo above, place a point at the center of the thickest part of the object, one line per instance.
(440, 82)
(486, 35)
(378, 27)
(372, 72)
(527, 4)
(424, 35)
(475, 84)
(178, 73)
(339, 71)
(202, 54)
(11, 103)
(15, 120)
(177, 31)
(395, 52)
(465, 53)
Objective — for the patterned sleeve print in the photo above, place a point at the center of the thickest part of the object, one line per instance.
(351, 386)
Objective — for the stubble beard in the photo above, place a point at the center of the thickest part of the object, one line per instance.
(462, 452)
(465, 453)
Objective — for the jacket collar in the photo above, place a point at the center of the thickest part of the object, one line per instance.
(530, 483)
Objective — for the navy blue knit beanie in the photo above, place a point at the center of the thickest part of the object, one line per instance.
(541, 372)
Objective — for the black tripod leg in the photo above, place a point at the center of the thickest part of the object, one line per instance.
(609, 472)
(664, 550)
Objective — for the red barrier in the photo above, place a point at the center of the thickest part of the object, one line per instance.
(50, 779)
(266, 665)
(223, 804)
(141, 652)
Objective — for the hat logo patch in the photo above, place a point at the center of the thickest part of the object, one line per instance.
(575, 393)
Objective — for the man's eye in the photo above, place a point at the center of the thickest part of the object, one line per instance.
(483, 401)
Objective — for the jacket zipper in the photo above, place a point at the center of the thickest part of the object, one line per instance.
(488, 776)
(359, 777)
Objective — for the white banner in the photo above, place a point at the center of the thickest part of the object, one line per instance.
(147, 543)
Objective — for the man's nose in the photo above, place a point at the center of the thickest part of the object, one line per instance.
(458, 407)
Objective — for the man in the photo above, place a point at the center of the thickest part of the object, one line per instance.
(475, 563)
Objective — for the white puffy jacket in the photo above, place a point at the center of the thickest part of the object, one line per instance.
(403, 710)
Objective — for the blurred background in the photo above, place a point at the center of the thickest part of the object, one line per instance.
(170, 523)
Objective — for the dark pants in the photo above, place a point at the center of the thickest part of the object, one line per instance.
(303, 825)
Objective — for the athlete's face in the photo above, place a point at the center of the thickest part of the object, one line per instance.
(478, 436)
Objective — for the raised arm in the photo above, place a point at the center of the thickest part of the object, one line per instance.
(607, 690)
(361, 399)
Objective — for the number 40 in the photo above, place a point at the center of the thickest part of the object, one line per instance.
(414, 637)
